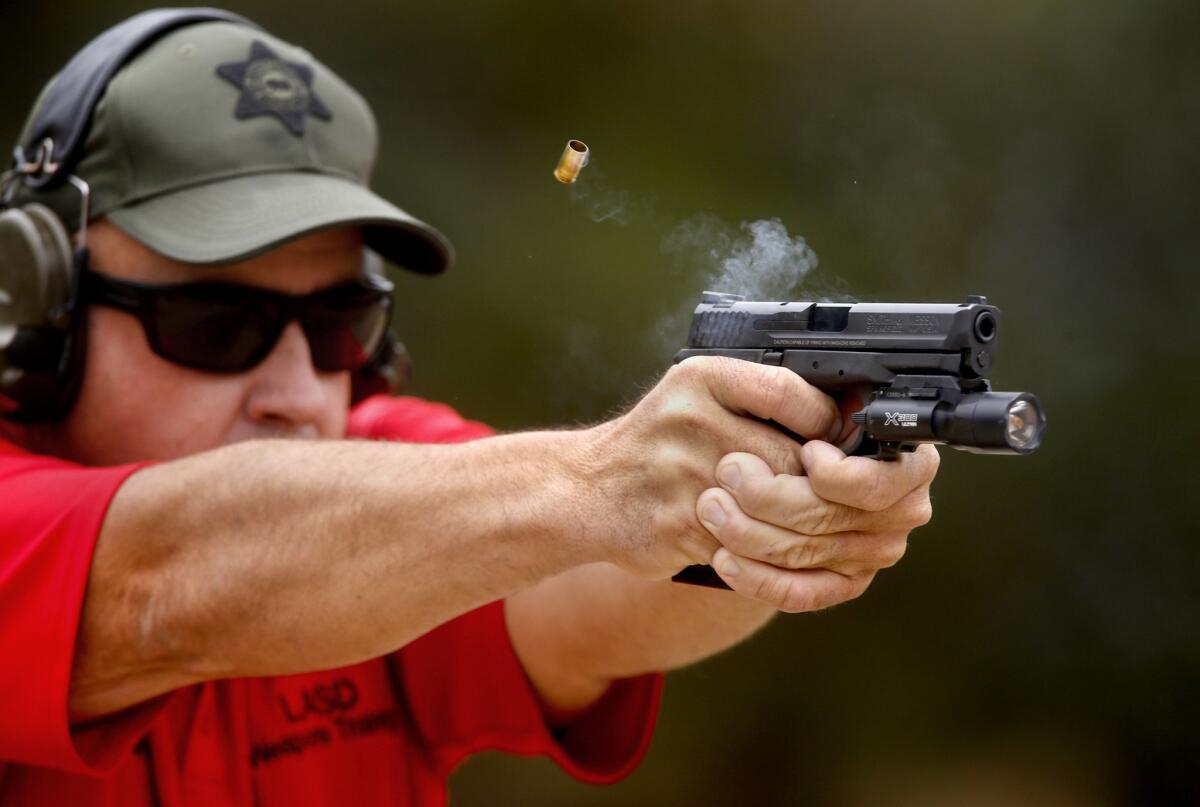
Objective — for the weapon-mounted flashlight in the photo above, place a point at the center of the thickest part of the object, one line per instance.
(979, 422)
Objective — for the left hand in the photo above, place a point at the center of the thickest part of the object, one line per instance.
(801, 543)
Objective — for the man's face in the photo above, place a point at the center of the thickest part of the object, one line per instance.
(135, 405)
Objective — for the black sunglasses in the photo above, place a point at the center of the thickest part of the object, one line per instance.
(228, 328)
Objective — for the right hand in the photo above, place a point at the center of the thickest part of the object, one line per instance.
(643, 472)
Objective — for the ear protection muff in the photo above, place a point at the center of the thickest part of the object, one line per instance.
(42, 326)
(41, 341)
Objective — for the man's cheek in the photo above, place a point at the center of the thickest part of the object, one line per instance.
(172, 420)
(135, 405)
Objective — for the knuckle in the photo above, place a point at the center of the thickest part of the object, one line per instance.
(698, 545)
(796, 598)
(817, 410)
(820, 519)
(858, 585)
(775, 553)
(724, 371)
(687, 371)
(692, 473)
(773, 390)
(768, 589)
(922, 511)
(672, 463)
(935, 462)
(694, 374)
(802, 554)
(673, 523)
(762, 589)
(757, 497)
(736, 534)
(874, 494)
(684, 413)
(851, 569)
(791, 465)
(784, 458)
(894, 553)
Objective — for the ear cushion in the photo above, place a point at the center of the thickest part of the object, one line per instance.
(41, 345)
(59, 269)
(23, 256)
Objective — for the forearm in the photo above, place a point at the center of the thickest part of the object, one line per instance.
(280, 556)
(597, 623)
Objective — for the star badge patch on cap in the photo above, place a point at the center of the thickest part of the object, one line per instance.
(272, 86)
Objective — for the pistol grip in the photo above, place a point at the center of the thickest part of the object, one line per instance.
(701, 575)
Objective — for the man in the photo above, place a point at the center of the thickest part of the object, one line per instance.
(196, 609)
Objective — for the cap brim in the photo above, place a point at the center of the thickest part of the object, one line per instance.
(237, 218)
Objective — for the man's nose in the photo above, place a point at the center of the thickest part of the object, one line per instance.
(286, 390)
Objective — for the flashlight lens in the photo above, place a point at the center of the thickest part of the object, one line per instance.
(1024, 425)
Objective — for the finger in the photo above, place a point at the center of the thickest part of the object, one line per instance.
(849, 402)
(848, 553)
(790, 591)
(789, 501)
(763, 391)
(769, 445)
(863, 482)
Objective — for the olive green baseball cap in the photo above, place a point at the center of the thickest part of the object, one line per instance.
(220, 142)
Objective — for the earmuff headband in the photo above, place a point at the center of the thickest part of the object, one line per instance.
(58, 132)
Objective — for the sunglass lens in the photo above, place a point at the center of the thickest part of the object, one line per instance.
(208, 329)
(344, 335)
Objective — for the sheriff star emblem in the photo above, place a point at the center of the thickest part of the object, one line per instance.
(272, 86)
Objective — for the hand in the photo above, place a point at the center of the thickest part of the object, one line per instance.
(640, 475)
(801, 543)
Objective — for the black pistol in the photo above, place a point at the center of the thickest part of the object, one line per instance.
(920, 370)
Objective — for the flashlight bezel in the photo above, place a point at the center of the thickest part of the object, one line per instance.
(979, 423)
(1039, 423)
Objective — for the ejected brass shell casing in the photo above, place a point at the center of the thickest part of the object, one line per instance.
(574, 158)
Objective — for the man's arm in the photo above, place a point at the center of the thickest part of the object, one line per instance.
(277, 557)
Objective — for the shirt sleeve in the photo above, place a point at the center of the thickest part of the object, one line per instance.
(50, 516)
(467, 692)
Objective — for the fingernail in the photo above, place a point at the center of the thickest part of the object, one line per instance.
(730, 476)
(714, 514)
(727, 566)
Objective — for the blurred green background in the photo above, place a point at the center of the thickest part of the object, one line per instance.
(1040, 644)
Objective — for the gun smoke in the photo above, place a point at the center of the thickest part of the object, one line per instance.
(759, 259)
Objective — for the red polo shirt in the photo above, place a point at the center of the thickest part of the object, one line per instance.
(387, 731)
